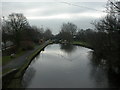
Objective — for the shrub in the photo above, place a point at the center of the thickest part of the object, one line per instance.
(27, 45)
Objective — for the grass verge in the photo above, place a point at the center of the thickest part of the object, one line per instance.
(84, 44)
(7, 59)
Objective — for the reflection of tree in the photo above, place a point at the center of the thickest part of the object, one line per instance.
(30, 72)
(97, 73)
(114, 71)
(108, 67)
(67, 48)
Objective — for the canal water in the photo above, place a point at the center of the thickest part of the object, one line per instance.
(64, 66)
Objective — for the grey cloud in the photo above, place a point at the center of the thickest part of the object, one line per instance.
(54, 8)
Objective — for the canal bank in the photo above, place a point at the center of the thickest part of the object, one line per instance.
(13, 78)
(78, 43)
(83, 44)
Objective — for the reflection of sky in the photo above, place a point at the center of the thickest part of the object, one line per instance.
(53, 54)
(53, 14)
(64, 53)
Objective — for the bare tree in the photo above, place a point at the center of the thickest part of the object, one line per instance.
(17, 22)
(5, 34)
(69, 27)
(48, 34)
(68, 30)
(108, 36)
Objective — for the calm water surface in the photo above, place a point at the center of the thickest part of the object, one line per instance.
(64, 66)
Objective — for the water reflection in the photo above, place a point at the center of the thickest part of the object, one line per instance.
(68, 66)
(98, 74)
(109, 69)
(68, 48)
(28, 76)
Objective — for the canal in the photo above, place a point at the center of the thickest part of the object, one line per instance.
(64, 66)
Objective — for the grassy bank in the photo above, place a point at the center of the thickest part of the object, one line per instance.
(16, 79)
(7, 59)
(83, 44)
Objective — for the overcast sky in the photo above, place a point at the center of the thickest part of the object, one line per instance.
(53, 13)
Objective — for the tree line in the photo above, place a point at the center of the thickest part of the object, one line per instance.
(16, 28)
